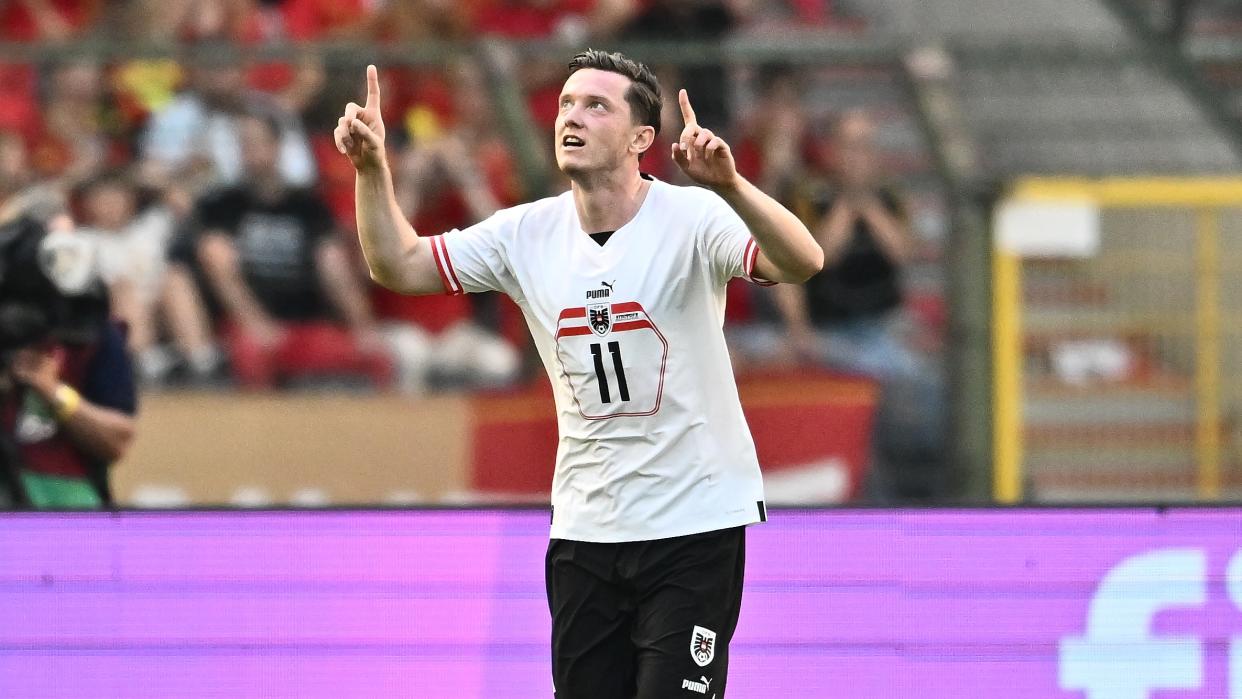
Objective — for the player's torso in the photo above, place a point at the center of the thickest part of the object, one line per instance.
(652, 438)
(612, 320)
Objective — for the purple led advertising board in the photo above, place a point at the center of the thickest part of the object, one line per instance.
(1102, 604)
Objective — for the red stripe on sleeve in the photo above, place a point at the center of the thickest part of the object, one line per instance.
(435, 253)
(752, 254)
(448, 262)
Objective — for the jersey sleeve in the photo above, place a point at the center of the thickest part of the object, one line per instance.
(727, 244)
(475, 259)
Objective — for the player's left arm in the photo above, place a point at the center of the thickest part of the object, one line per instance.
(787, 251)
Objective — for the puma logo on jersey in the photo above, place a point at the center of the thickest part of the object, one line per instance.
(602, 293)
(701, 686)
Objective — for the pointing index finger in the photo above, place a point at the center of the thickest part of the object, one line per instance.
(373, 90)
(687, 112)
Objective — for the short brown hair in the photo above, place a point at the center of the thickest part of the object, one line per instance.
(643, 94)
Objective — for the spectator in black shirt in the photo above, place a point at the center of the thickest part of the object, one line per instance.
(291, 304)
(844, 316)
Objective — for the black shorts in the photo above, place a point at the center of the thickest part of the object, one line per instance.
(644, 619)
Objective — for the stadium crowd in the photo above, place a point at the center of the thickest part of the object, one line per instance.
(224, 215)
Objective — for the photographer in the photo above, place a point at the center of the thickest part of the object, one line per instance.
(67, 395)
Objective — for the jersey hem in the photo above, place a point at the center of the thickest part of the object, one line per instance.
(567, 534)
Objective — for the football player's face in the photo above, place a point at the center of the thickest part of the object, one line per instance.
(595, 129)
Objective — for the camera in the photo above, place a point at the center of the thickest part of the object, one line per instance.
(50, 290)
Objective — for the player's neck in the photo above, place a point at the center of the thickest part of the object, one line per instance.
(606, 204)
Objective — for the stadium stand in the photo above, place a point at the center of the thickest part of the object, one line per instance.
(1047, 87)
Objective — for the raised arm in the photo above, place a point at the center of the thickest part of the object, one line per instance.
(787, 251)
(396, 256)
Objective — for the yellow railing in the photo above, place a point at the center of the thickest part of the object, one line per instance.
(1129, 210)
(1007, 376)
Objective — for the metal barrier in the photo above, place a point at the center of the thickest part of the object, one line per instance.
(1116, 341)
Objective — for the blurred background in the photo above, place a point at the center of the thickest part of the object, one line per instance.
(1031, 211)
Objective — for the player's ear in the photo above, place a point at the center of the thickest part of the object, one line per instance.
(642, 138)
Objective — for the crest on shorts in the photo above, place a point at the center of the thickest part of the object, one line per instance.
(702, 646)
(599, 317)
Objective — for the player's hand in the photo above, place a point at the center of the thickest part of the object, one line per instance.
(701, 154)
(359, 133)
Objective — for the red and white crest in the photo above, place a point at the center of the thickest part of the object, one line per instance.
(599, 317)
(702, 646)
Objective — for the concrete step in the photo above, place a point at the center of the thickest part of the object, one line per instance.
(1104, 406)
(1090, 437)
(1113, 459)
(988, 18)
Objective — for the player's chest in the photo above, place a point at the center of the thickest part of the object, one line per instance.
(638, 273)
(612, 325)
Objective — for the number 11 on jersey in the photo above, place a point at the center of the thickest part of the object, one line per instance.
(614, 348)
(612, 359)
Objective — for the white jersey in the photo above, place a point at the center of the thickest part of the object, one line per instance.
(653, 442)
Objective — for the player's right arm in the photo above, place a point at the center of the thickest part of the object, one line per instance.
(397, 257)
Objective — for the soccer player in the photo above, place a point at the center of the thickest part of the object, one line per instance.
(622, 283)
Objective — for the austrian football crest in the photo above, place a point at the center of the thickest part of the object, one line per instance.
(599, 316)
(702, 646)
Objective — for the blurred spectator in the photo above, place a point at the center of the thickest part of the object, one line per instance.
(14, 172)
(30, 21)
(420, 20)
(694, 20)
(21, 194)
(67, 394)
(776, 146)
(317, 19)
(291, 306)
(457, 171)
(847, 317)
(19, 110)
(79, 132)
(132, 244)
(297, 80)
(47, 20)
(245, 20)
(195, 139)
(195, 358)
(292, 82)
(190, 20)
(844, 316)
(570, 21)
